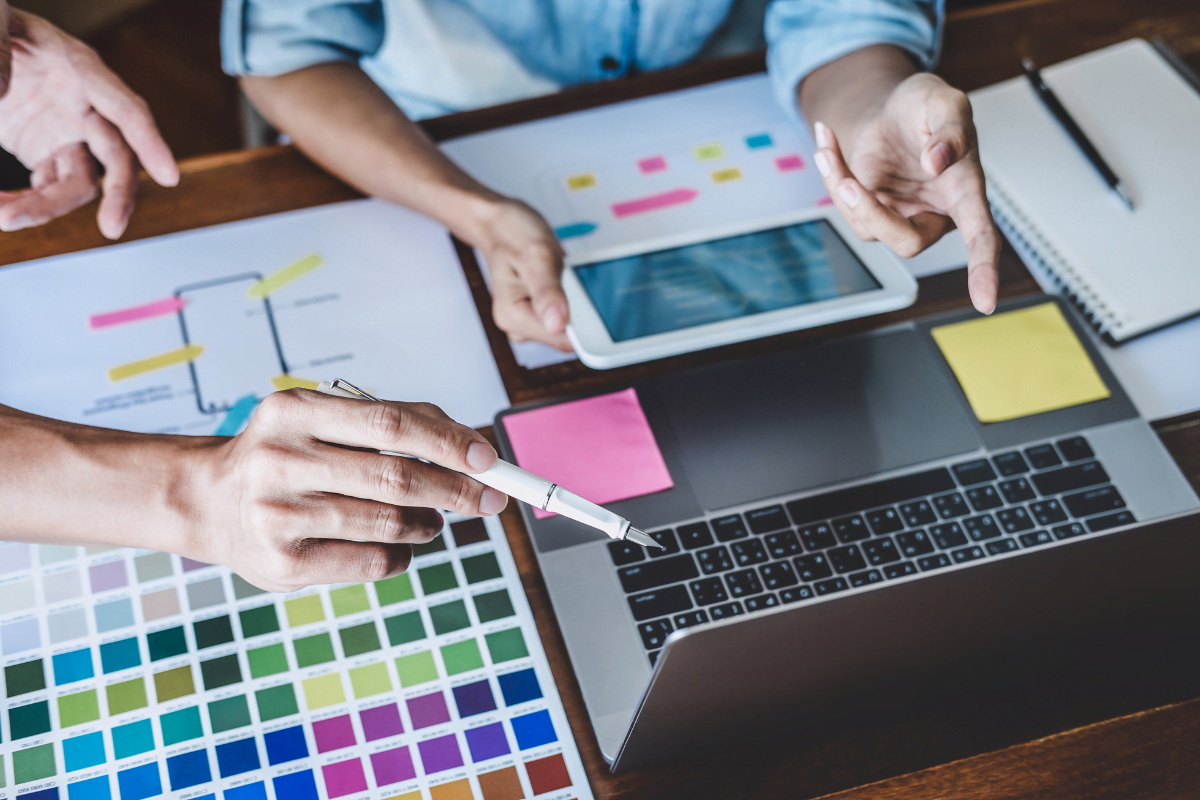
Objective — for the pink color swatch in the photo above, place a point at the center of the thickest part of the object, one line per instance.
(344, 777)
(654, 164)
(654, 202)
(600, 448)
(190, 564)
(393, 766)
(428, 709)
(158, 308)
(333, 734)
(789, 163)
(108, 576)
(381, 722)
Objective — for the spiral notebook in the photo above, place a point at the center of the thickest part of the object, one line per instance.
(1131, 272)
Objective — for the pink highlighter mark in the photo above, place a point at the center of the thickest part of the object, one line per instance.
(158, 308)
(655, 164)
(675, 197)
(601, 448)
(824, 201)
(789, 163)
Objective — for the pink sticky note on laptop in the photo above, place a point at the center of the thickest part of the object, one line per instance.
(600, 448)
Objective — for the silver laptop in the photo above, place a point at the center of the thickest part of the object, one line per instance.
(840, 519)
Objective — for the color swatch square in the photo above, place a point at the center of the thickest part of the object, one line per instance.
(119, 655)
(394, 590)
(114, 615)
(501, 784)
(304, 610)
(483, 567)
(462, 657)
(173, 683)
(221, 671)
(75, 709)
(359, 639)
(33, 763)
(92, 789)
(72, 666)
(344, 777)
(393, 766)
(269, 660)
(61, 586)
(381, 722)
(296, 786)
(188, 769)
(234, 758)
(152, 566)
(14, 557)
(404, 628)
(519, 687)
(427, 710)
(468, 532)
(229, 713)
(257, 621)
(474, 698)
(323, 691)
(127, 696)
(249, 791)
(449, 617)
(437, 578)
(436, 545)
(548, 774)
(105, 577)
(440, 754)
(16, 596)
(506, 645)
(487, 741)
(334, 733)
(63, 626)
(213, 632)
(132, 739)
(160, 604)
(285, 745)
(26, 677)
(167, 643)
(204, 594)
(242, 588)
(181, 726)
(349, 600)
(493, 605)
(139, 783)
(17, 637)
(453, 790)
(533, 730)
(759, 140)
(276, 702)
(648, 166)
(84, 751)
(34, 719)
(313, 650)
(416, 668)
(370, 680)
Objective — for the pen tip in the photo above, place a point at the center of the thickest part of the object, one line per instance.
(634, 535)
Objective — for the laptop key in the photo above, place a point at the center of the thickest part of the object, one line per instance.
(778, 575)
(654, 657)
(690, 618)
(812, 567)
(884, 520)
(970, 473)
(783, 545)
(796, 594)
(1075, 449)
(1009, 464)
(832, 585)
(967, 554)
(880, 551)
(748, 552)
(654, 634)
(726, 611)
(1047, 512)
(743, 583)
(871, 495)
(1017, 490)
(900, 570)
(695, 535)
(851, 529)
(670, 545)
(984, 498)
(660, 603)
(1070, 479)
(1110, 521)
(658, 573)
(950, 506)
(918, 513)
(846, 559)
(730, 528)
(624, 552)
(1005, 545)
(765, 520)
(761, 602)
(1069, 531)
(1013, 520)
(708, 591)
(936, 561)
(1043, 456)
(948, 535)
(1035, 538)
(817, 537)
(1093, 501)
(981, 527)
(866, 577)
(714, 560)
(914, 543)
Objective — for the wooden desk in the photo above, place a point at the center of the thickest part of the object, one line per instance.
(1065, 738)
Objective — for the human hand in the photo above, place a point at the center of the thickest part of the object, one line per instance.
(525, 261)
(302, 496)
(912, 175)
(62, 108)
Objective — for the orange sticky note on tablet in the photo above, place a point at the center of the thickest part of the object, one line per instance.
(600, 448)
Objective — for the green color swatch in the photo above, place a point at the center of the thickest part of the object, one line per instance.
(359, 639)
(218, 672)
(394, 590)
(313, 650)
(212, 632)
(436, 546)
(370, 680)
(25, 678)
(323, 690)
(493, 605)
(242, 588)
(276, 702)
(304, 610)
(180, 726)
(404, 628)
(417, 668)
(437, 578)
(174, 683)
(33, 764)
(449, 617)
(482, 567)
(462, 657)
(257, 621)
(230, 713)
(76, 709)
(349, 600)
(269, 660)
(30, 720)
(168, 643)
(127, 696)
(506, 645)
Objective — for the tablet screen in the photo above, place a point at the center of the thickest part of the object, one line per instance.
(699, 284)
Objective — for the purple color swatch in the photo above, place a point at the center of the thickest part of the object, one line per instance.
(428, 709)
(381, 722)
(393, 766)
(344, 777)
(14, 557)
(440, 754)
(474, 698)
(333, 734)
(108, 576)
(191, 564)
(487, 742)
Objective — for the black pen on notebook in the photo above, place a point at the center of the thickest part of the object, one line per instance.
(1060, 113)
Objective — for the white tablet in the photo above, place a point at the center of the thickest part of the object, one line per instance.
(690, 292)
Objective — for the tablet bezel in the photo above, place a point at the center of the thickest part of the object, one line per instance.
(597, 350)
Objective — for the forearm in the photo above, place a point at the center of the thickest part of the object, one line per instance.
(338, 116)
(847, 93)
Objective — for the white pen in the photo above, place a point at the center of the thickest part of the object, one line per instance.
(524, 485)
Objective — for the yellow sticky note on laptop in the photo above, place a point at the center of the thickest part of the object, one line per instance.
(1019, 363)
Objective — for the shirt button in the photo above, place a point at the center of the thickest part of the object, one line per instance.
(609, 64)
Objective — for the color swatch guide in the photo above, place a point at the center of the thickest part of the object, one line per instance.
(133, 674)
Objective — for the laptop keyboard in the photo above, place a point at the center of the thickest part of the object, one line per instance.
(735, 564)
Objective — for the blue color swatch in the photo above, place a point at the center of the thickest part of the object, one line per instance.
(534, 729)
(91, 789)
(140, 782)
(297, 786)
(113, 615)
(285, 745)
(251, 791)
(84, 751)
(188, 769)
(116, 656)
(73, 666)
(759, 140)
(132, 739)
(181, 725)
(44, 794)
(237, 757)
(519, 687)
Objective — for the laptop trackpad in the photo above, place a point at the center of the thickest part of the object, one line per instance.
(820, 415)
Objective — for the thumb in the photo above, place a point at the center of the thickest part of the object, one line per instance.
(948, 115)
(541, 279)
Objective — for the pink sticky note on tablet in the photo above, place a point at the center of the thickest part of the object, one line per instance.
(601, 448)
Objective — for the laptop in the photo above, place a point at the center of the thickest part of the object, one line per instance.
(839, 520)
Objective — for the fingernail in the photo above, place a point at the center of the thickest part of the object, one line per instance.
(17, 223)
(848, 193)
(553, 319)
(939, 158)
(480, 456)
(492, 501)
(822, 134)
(824, 164)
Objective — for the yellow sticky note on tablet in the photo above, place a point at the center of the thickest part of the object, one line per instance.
(1018, 363)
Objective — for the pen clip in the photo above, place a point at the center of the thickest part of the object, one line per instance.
(346, 386)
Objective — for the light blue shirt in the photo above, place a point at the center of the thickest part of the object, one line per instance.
(435, 57)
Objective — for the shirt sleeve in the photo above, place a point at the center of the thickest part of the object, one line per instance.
(805, 34)
(271, 37)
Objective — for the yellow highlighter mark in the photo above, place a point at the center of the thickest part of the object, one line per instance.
(1019, 363)
(282, 277)
(726, 175)
(708, 152)
(159, 361)
(283, 382)
(585, 181)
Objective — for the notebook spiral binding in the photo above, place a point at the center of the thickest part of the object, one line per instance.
(1018, 228)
